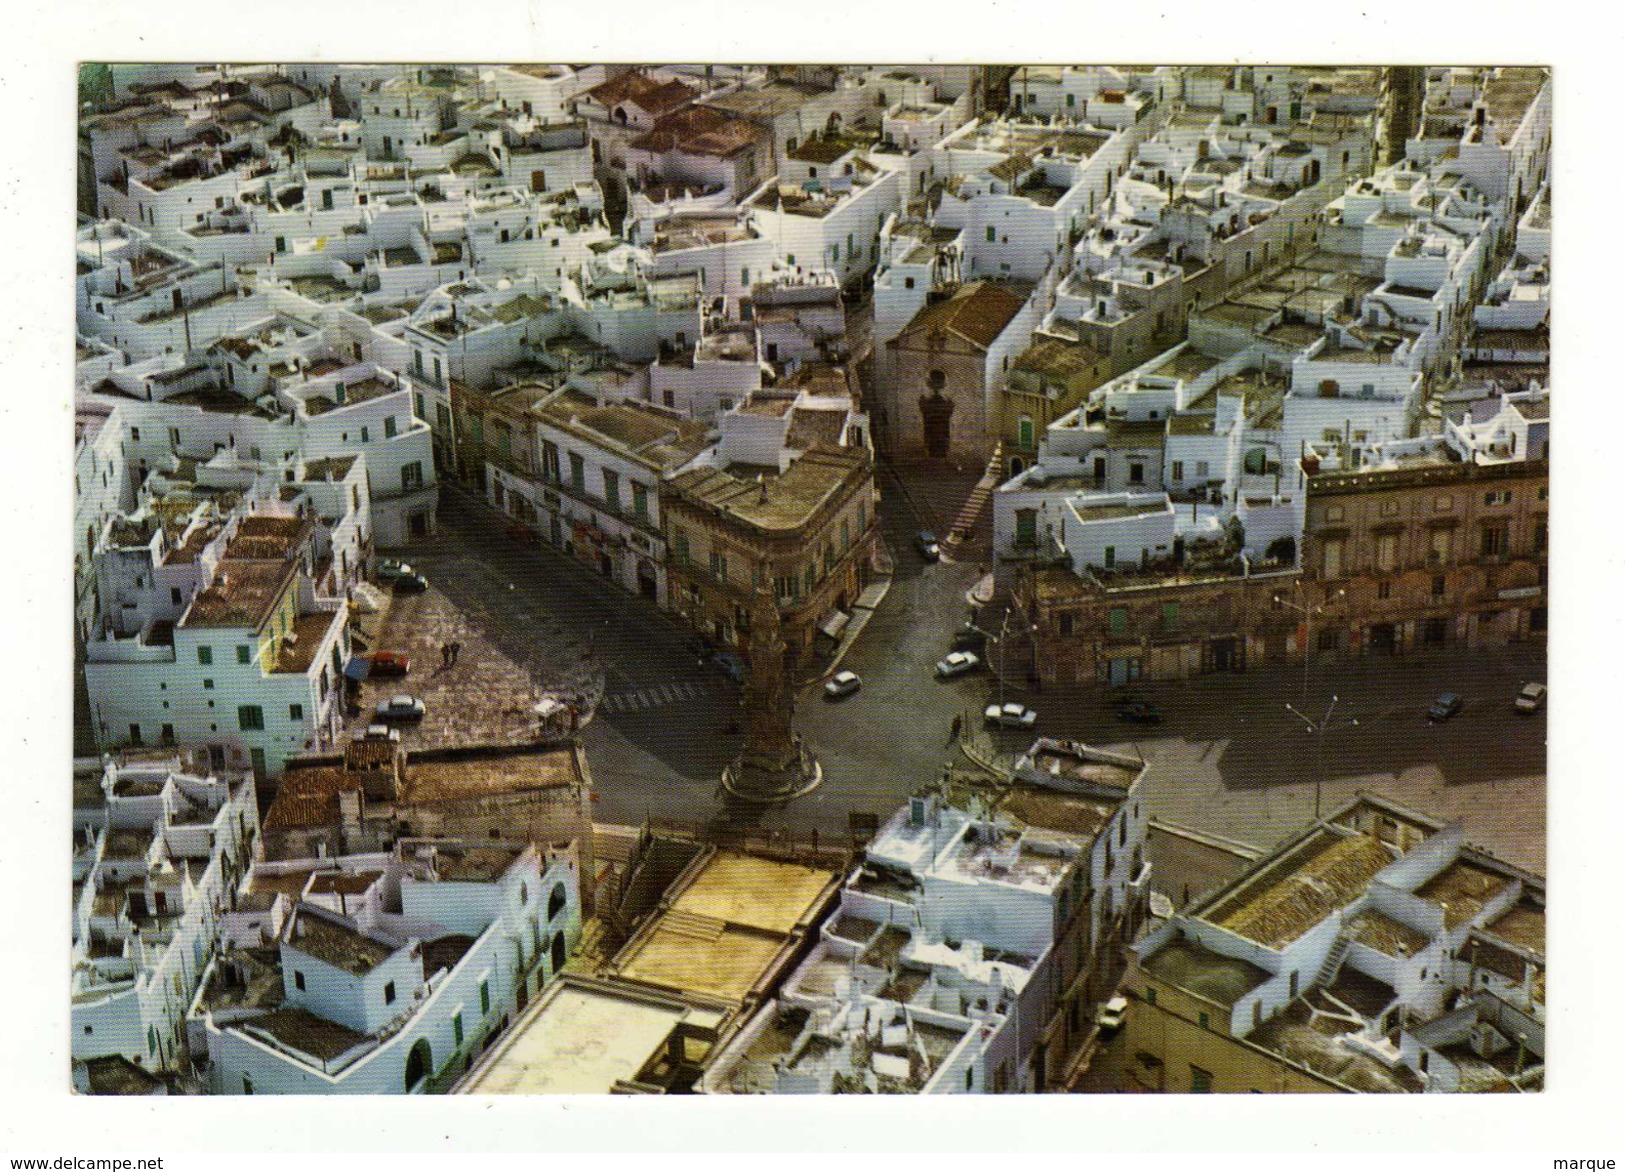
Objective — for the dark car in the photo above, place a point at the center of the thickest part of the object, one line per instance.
(969, 638)
(926, 542)
(732, 666)
(1446, 706)
(1139, 712)
(411, 584)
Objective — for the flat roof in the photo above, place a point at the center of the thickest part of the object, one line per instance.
(699, 954)
(783, 502)
(337, 944)
(1220, 979)
(755, 892)
(1524, 924)
(1462, 889)
(242, 594)
(580, 1040)
(1386, 934)
(304, 1031)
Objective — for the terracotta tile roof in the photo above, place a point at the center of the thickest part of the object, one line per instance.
(698, 130)
(978, 313)
(309, 796)
(642, 91)
(1303, 890)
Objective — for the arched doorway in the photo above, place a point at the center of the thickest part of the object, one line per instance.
(1016, 465)
(936, 417)
(556, 901)
(418, 1064)
(558, 955)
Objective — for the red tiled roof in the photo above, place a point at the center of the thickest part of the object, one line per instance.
(642, 91)
(698, 130)
(978, 314)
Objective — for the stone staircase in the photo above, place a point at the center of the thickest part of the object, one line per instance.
(965, 523)
(1334, 960)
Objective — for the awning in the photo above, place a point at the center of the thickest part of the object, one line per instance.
(835, 623)
(357, 668)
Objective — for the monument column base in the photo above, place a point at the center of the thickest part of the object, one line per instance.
(756, 778)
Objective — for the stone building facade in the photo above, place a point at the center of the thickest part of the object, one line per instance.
(811, 530)
(1394, 560)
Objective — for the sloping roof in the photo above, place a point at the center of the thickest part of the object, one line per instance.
(1304, 891)
(978, 313)
(642, 91)
(698, 130)
(309, 797)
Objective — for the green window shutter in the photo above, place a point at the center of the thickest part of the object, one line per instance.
(205, 655)
(245, 654)
(1119, 620)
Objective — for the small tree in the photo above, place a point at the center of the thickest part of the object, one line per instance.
(1282, 549)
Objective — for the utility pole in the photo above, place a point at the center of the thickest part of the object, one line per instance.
(1309, 613)
(1318, 728)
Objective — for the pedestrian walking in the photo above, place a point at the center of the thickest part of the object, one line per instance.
(456, 649)
(954, 728)
(445, 655)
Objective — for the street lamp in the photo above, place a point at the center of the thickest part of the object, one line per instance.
(1309, 613)
(1319, 730)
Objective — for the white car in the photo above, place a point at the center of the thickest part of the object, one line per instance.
(1110, 1017)
(1530, 698)
(956, 663)
(1012, 715)
(842, 684)
(399, 708)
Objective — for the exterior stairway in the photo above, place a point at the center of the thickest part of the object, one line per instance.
(971, 511)
(1334, 960)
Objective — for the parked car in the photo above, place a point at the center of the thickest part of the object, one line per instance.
(413, 583)
(1531, 698)
(842, 684)
(1111, 1015)
(926, 542)
(969, 637)
(1012, 715)
(1139, 712)
(402, 707)
(956, 663)
(1446, 706)
(387, 663)
(391, 568)
(379, 732)
(732, 666)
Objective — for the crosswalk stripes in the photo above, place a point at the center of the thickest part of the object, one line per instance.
(655, 696)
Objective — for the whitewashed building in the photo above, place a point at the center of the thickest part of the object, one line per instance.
(963, 957)
(385, 974)
(158, 846)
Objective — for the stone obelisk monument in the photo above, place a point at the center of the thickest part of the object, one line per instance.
(773, 765)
